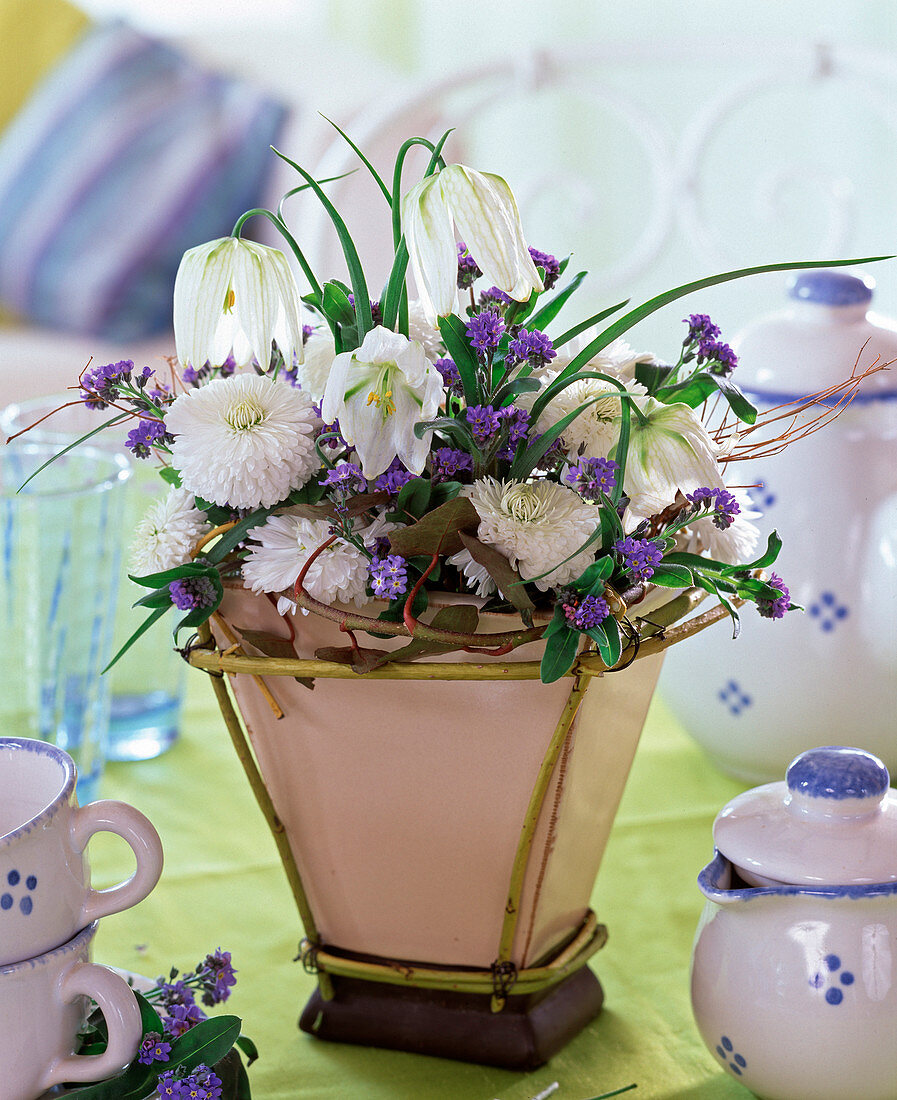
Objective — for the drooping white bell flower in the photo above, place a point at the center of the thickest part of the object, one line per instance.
(536, 526)
(671, 452)
(243, 441)
(378, 393)
(319, 355)
(482, 210)
(235, 297)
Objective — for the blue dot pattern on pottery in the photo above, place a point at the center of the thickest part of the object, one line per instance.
(734, 1061)
(831, 288)
(834, 995)
(828, 611)
(734, 698)
(836, 772)
(26, 902)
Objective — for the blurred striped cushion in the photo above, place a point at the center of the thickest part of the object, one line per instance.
(125, 155)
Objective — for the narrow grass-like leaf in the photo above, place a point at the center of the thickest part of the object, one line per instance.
(595, 319)
(544, 316)
(364, 160)
(89, 435)
(138, 633)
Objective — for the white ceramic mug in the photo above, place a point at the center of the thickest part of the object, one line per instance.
(44, 1004)
(45, 892)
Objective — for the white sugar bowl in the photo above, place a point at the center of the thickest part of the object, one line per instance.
(794, 975)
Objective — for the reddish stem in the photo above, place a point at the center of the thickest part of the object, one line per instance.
(500, 652)
(297, 588)
(407, 617)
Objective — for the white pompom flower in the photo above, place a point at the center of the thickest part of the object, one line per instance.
(243, 441)
(595, 431)
(167, 534)
(735, 544)
(235, 297)
(536, 525)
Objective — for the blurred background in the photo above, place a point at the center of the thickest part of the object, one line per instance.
(656, 142)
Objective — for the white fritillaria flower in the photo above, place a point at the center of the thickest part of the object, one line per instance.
(379, 392)
(315, 370)
(536, 526)
(167, 533)
(671, 452)
(243, 441)
(481, 208)
(235, 297)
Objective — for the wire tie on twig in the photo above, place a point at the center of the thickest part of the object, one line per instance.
(193, 642)
(504, 975)
(308, 956)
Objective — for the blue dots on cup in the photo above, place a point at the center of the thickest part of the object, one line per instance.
(735, 1062)
(834, 995)
(26, 902)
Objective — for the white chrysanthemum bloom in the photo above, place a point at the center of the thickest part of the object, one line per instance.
(482, 209)
(315, 369)
(338, 574)
(617, 359)
(672, 452)
(235, 297)
(475, 575)
(536, 526)
(734, 545)
(243, 441)
(379, 392)
(420, 329)
(167, 533)
(595, 431)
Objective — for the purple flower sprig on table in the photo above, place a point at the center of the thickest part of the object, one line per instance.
(153, 1048)
(200, 1084)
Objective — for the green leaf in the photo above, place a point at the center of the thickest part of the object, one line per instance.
(205, 1044)
(364, 160)
(336, 304)
(438, 531)
(606, 636)
(544, 316)
(171, 475)
(450, 426)
(506, 577)
(672, 576)
(69, 446)
(626, 322)
(138, 633)
(413, 498)
(511, 389)
(652, 375)
(160, 598)
(454, 336)
(136, 1083)
(592, 579)
(177, 573)
(560, 653)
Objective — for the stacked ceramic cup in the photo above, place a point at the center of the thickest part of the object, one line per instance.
(48, 918)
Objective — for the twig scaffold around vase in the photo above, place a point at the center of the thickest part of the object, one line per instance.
(470, 439)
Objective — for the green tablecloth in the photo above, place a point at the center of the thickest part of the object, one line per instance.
(223, 886)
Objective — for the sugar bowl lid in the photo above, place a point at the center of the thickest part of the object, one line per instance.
(832, 822)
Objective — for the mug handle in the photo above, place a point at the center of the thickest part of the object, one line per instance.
(122, 1013)
(110, 816)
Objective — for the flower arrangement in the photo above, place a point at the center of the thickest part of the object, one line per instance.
(183, 1052)
(354, 461)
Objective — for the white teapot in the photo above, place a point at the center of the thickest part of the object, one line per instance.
(784, 686)
(794, 975)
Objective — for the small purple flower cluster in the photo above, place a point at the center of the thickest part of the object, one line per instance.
(193, 377)
(485, 329)
(723, 504)
(640, 556)
(191, 593)
(719, 357)
(587, 612)
(217, 976)
(389, 577)
(446, 462)
(700, 328)
(149, 433)
(178, 1002)
(702, 342)
(153, 1049)
(532, 347)
(101, 386)
(468, 272)
(484, 422)
(376, 311)
(347, 477)
(494, 299)
(776, 608)
(451, 377)
(201, 1084)
(591, 477)
(548, 264)
(393, 478)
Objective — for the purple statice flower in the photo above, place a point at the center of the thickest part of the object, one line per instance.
(182, 1017)
(100, 386)
(145, 436)
(376, 311)
(494, 299)
(346, 476)
(193, 377)
(307, 330)
(153, 1049)
(485, 329)
(201, 1084)
(484, 422)
(585, 613)
(700, 328)
(640, 556)
(449, 372)
(517, 420)
(389, 578)
(446, 462)
(141, 379)
(723, 504)
(720, 358)
(776, 608)
(468, 272)
(228, 367)
(191, 593)
(393, 478)
(591, 477)
(217, 975)
(548, 264)
(533, 347)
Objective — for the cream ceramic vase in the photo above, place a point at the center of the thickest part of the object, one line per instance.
(403, 803)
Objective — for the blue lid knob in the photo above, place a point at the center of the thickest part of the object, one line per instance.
(831, 288)
(837, 779)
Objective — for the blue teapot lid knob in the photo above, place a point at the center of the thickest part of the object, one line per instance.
(836, 782)
(831, 288)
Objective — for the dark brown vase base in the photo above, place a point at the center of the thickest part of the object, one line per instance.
(524, 1035)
